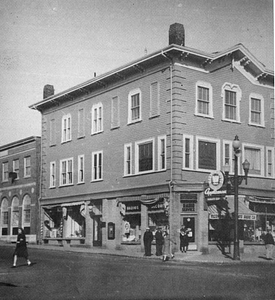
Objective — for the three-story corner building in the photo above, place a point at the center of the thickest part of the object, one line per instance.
(19, 188)
(134, 147)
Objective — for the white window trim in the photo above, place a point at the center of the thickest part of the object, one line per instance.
(234, 88)
(160, 138)
(209, 87)
(25, 167)
(93, 172)
(78, 169)
(231, 155)
(67, 177)
(67, 137)
(52, 173)
(158, 100)
(96, 107)
(272, 149)
(218, 152)
(260, 97)
(3, 173)
(191, 162)
(131, 93)
(137, 155)
(256, 147)
(126, 146)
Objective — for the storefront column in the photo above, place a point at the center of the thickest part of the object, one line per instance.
(174, 220)
(89, 227)
(144, 223)
(202, 220)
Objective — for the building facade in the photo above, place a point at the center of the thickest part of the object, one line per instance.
(134, 147)
(19, 188)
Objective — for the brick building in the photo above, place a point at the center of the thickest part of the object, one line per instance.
(19, 188)
(134, 147)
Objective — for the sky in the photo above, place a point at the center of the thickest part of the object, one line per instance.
(64, 42)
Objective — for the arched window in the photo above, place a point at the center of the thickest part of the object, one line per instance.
(4, 216)
(15, 215)
(26, 213)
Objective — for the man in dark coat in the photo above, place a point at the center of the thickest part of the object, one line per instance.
(269, 244)
(147, 239)
(159, 242)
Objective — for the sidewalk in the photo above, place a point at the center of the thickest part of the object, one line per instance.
(191, 256)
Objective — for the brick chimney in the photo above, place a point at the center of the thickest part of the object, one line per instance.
(176, 34)
(48, 91)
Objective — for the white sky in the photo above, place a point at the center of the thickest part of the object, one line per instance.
(63, 42)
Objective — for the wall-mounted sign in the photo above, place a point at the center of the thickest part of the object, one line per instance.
(215, 182)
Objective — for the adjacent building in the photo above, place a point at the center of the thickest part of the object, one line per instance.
(135, 147)
(19, 188)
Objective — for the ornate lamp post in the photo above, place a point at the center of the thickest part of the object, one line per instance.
(236, 180)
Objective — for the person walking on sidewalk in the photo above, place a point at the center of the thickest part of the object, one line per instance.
(159, 242)
(147, 239)
(21, 248)
(167, 253)
(269, 244)
(184, 239)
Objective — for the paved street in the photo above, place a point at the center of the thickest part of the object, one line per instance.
(70, 275)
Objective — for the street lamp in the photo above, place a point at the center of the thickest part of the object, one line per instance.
(236, 180)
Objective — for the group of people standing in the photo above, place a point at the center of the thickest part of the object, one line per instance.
(164, 241)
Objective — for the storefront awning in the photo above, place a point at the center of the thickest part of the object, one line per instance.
(222, 208)
(72, 204)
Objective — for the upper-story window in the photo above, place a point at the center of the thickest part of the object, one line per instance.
(26, 213)
(208, 154)
(16, 167)
(128, 159)
(97, 166)
(27, 166)
(144, 156)
(154, 99)
(97, 118)
(66, 171)
(255, 155)
(270, 162)
(115, 113)
(4, 216)
(81, 123)
(188, 160)
(52, 132)
(256, 110)
(231, 94)
(52, 174)
(228, 157)
(66, 128)
(161, 153)
(134, 106)
(5, 171)
(204, 99)
(80, 170)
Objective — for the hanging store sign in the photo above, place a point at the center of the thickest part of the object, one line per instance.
(215, 183)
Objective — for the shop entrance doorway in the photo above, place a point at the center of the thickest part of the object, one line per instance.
(189, 223)
(97, 232)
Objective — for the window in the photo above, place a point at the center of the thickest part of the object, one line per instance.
(154, 99)
(16, 167)
(52, 133)
(4, 216)
(228, 157)
(255, 155)
(208, 154)
(270, 158)
(97, 118)
(80, 169)
(5, 171)
(66, 128)
(256, 110)
(27, 166)
(15, 215)
(128, 169)
(115, 112)
(52, 174)
(97, 158)
(231, 95)
(188, 152)
(26, 213)
(81, 123)
(145, 156)
(134, 106)
(66, 169)
(161, 153)
(204, 99)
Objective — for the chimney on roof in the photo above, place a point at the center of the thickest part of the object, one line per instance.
(48, 91)
(176, 34)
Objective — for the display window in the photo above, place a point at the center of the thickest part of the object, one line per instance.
(131, 222)
(53, 222)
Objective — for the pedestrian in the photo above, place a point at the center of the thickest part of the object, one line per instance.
(21, 248)
(184, 239)
(167, 253)
(147, 239)
(159, 242)
(269, 244)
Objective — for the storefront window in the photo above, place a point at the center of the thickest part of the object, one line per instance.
(53, 225)
(74, 222)
(156, 216)
(131, 223)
